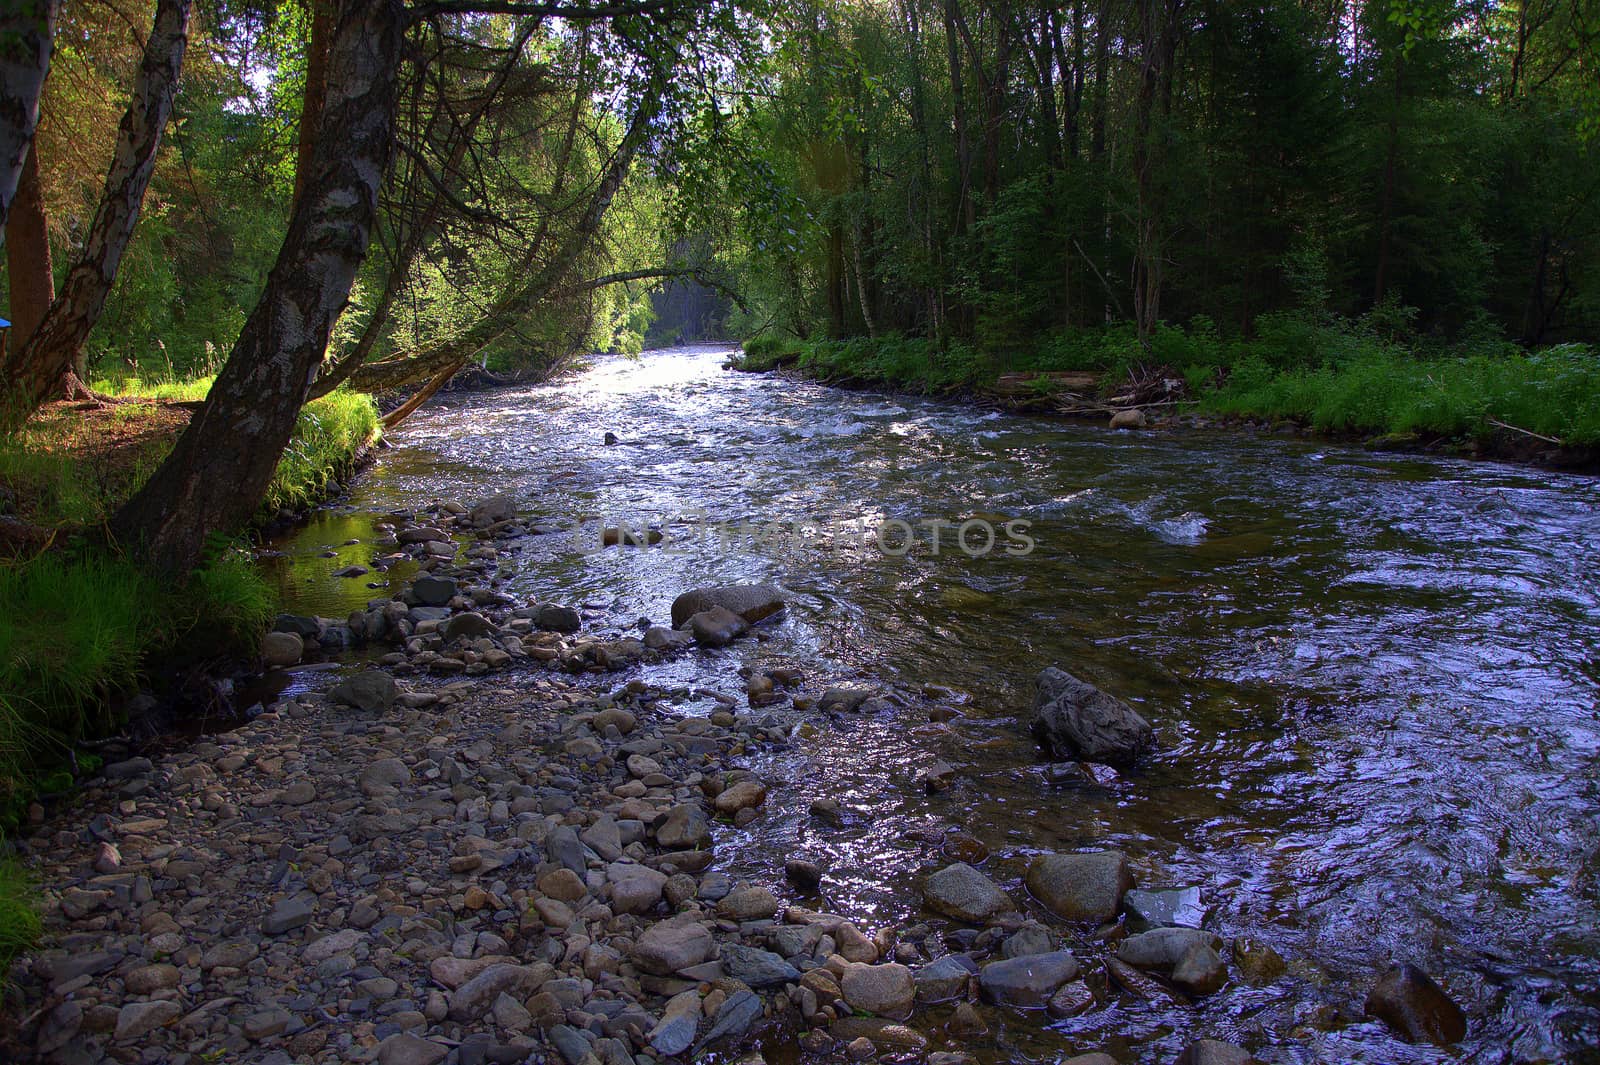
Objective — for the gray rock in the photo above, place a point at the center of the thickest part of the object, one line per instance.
(716, 627)
(570, 1042)
(468, 624)
(1027, 982)
(474, 998)
(141, 1018)
(738, 1013)
(758, 968)
(748, 904)
(960, 891)
(685, 828)
(302, 626)
(667, 946)
(288, 914)
(847, 700)
(406, 1049)
(493, 510)
(661, 638)
(59, 1027)
(372, 690)
(1081, 887)
(1166, 908)
(1214, 1052)
(429, 590)
(280, 649)
(680, 1020)
(377, 778)
(752, 602)
(565, 849)
(1200, 971)
(887, 990)
(945, 978)
(1418, 1010)
(553, 618)
(1031, 938)
(1073, 719)
(1163, 948)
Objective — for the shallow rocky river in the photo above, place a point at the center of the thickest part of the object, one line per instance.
(1373, 678)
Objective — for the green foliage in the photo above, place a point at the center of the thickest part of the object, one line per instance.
(328, 436)
(20, 926)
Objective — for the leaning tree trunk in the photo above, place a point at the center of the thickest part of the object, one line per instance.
(222, 464)
(27, 28)
(33, 370)
(33, 285)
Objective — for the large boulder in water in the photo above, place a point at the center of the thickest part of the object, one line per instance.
(1417, 1009)
(752, 602)
(1085, 887)
(1074, 719)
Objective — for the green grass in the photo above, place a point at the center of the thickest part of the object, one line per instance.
(161, 388)
(1333, 376)
(327, 439)
(19, 915)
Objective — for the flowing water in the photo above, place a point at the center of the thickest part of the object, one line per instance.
(1374, 678)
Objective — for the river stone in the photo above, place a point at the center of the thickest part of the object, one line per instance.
(148, 979)
(280, 649)
(675, 1032)
(429, 590)
(553, 618)
(468, 624)
(1214, 1052)
(1026, 982)
(661, 638)
(299, 624)
(473, 999)
(887, 990)
(381, 776)
(1091, 1059)
(59, 1027)
(636, 894)
(758, 968)
(1073, 719)
(1256, 961)
(1164, 948)
(880, 1032)
(332, 945)
(371, 690)
(404, 1049)
(748, 904)
(492, 510)
(945, 978)
(736, 1016)
(140, 1018)
(1128, 419)
(1415, 1008)
(288, 914)
(1200, 971)
(752, 602)
(1072, 999)
(741, 795)
(674, 944)
(1081, 887)
(716, 627)
(1167, 908)
(685, 828)
(960, 891)
(1031, 938)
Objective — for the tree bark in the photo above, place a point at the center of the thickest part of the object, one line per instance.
(316, 91)
(33, 369)
(221, 466)
(27, 29)
(33, 284)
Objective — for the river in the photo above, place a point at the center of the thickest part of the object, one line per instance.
(1373, 677)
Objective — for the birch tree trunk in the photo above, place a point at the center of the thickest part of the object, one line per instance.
(222, 464)
(27, 28)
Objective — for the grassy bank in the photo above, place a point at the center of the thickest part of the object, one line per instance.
(1336, 377)
(82, 628)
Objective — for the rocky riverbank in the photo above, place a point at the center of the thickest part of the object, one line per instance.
(521, 864)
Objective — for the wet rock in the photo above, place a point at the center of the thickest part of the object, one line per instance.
(553, 618)
(828, 811)
(803, 873)
(661, 638)
(960, 891)
(1026, 982)
(468, 624)
(59, 1027)
(944, 978)
(1072, 999)
(280, 649)
(1164, 948)
(1256, 961)
(671, 945)
(1128, 419)
(1081, 887)
(429, 590)
(752, 602)
(141, 1018)
(937, 777)
(1091, 1059)
(758, 968)
(878, 1033)
(373, 691)
(1073, 719)
(1167, 908)
(844, 700)
(1214, 1052)
(966, 1021)
(742, 795)
(887, 990)
(1415, 1008)
(748, 904)
(716, 627)
(404, 1049)
(493, 510)
(1200, 971)
(680, 1020)
(302, 626)
(1031, 938)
